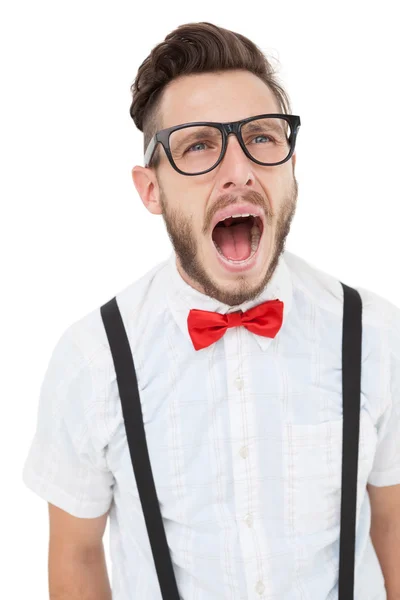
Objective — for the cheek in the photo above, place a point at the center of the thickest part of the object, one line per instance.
(189, 222)
(197, 224)
(278, 189)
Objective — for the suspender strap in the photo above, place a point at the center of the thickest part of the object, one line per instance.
(133, 417)
(351, 378)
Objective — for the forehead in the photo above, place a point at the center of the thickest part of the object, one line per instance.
(223, 96)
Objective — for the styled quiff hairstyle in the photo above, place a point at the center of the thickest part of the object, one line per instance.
(194, 48)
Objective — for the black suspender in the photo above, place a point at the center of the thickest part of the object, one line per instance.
(351, 384)
(133, 418)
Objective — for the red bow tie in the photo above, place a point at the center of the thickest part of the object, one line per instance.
(206, 327)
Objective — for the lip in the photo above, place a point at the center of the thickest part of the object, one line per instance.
(237, 209)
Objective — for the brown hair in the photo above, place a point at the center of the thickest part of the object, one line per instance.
(194, 48)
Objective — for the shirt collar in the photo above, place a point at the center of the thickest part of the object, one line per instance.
(181, 297)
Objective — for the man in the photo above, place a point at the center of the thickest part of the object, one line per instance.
(242, 409)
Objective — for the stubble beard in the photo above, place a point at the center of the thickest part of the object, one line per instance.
(186, 248)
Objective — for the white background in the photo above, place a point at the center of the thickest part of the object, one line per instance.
(74, 229)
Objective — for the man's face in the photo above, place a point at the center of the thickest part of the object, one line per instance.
(189, 204)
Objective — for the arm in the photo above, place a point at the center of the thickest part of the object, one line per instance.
(385, 534)
(77, 565)
(73, 578)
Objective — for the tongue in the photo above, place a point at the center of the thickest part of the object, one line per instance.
(234, 241)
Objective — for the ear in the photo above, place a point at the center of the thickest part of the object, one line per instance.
(145, 182)
(294, 159)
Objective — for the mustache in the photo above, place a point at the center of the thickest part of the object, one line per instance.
(252, 197)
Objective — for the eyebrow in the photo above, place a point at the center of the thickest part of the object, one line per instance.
(255, 126)
(200, 130)
(198, 133)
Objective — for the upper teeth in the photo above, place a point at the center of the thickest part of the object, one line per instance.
(237, 216)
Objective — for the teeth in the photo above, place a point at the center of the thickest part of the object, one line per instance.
(255, 235)
(237, 216)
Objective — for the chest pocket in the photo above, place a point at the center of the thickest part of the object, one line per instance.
(312, 463)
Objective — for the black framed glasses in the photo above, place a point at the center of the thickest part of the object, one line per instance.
(278, 132)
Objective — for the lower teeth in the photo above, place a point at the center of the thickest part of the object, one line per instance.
(255, 241)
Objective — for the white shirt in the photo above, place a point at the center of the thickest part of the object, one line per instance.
(244, 437)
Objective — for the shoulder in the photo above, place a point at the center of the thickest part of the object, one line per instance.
(325, 290)
(82, 362)
(88, 334)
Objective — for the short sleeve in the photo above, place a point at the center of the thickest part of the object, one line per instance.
(66, 464)
(386, 466)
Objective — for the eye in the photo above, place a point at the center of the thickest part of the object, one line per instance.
(197, 144)
(265, 136)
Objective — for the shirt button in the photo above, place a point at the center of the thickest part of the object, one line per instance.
(239, 383)
(260, 587)
(249, 520)
(244, 452)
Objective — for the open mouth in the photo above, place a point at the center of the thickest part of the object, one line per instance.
(237, 239)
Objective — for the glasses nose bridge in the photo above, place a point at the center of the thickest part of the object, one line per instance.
(229, 129)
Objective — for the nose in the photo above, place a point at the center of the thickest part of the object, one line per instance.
(234, 154)
(235, 166)
(233, 145)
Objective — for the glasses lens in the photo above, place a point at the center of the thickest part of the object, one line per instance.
(197, 148)
(267, 139)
